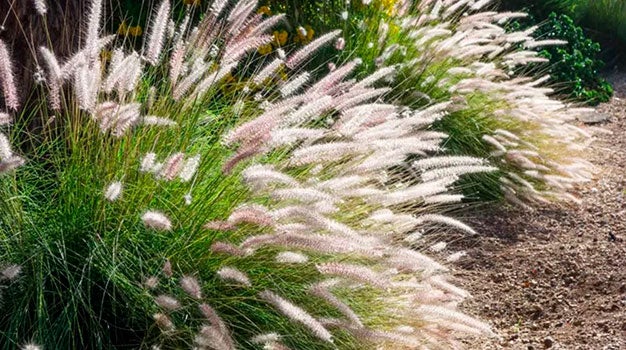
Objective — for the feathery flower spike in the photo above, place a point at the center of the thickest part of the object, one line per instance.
(191, 286)
(7, 82)
(297, 314)
(227, 273)
(157, 33)
(113, 191)
(156, 220)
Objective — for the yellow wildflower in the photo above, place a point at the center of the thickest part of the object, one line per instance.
(122, 29)
(265, 49)
(135, 31)
(125, 30)
(394, 29)
(264, 10)
(283, 76)
(305, 34)
(389, 6)
(280, 38)
(309, 32)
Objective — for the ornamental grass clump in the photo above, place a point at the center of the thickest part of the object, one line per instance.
(458, 52)
(186, 196)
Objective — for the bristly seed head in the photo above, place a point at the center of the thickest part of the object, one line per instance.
(164, 322)
(10, 272)
(151, 282)
(156, 220)
(167, 269)
(30, 346)
(7, 82)
(113, 191)
(167, 302)
(191, 286)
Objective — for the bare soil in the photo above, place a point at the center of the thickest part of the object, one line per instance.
(556, 277)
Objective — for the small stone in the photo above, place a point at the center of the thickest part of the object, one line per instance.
(548, 342)
(498, 277)
(593, 117)
(536, 311)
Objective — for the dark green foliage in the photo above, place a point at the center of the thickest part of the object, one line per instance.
(603, 21)
(574, 68)
(539, 8)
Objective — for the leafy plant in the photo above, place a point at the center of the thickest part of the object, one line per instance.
(574, 67)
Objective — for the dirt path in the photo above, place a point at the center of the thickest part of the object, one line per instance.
(556, 278)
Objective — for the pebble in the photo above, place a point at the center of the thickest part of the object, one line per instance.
(548, 342)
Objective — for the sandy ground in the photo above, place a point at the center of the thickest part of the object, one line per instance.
(556, 278)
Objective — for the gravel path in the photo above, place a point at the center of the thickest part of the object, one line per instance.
(556, 278)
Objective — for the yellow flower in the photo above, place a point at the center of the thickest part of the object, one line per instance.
(305, 34)
(389, 6)
(283, 76)
(122, 29)
(394, 29)
(265, 49)
(191, 2)
(125, 30)
(309, 32)
(135, 31)
(264, 10)
(280, 38)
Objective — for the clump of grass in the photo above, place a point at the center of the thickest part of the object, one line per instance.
(459, 53)
(190, 195)
(605, 15)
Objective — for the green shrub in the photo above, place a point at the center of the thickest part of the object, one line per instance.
(574, 68)
(601, 19)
